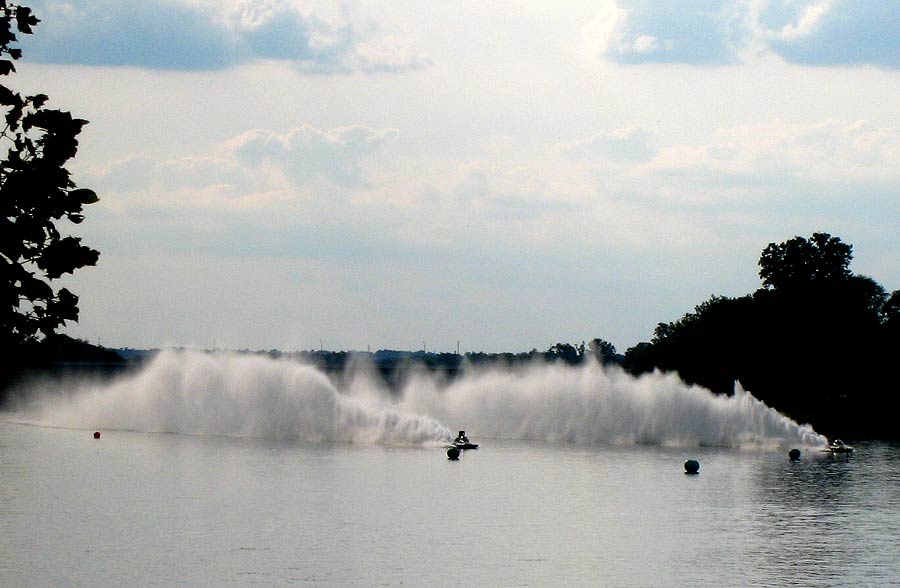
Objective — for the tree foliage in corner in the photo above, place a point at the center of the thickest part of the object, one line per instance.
(36, 195)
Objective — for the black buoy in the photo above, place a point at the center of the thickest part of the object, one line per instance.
(96, 434)
(692, 466)
(453, 454)
(794, 454)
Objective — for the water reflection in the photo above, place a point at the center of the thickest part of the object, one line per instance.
(213, 511)
(816, 524)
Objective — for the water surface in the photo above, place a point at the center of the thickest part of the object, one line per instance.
(161, 510)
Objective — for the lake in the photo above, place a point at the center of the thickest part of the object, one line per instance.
(185, 502)
(142, 510)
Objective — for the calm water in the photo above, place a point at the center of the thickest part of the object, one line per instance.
(166, 510)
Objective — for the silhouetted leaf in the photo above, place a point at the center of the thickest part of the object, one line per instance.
(13, 117)
(65, 256)
(8, 97)
(84, 195)
(38, 100)
(65, 306)
(35, 289)
(25, 20)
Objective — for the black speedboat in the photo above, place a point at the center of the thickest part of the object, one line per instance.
(838, 447)
(465, 445)
(462, 442)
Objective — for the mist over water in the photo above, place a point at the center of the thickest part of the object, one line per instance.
(233, 395)
(593, 405)
(256, 396)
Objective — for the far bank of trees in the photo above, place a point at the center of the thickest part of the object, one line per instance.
(815, 341)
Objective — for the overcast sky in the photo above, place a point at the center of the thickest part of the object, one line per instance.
(392, 174)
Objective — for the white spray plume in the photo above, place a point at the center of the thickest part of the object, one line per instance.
(255, 396)
(235, 395)
(590, 404)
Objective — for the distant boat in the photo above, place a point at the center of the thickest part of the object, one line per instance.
(465, 445)
(838, 447)
(462, 442)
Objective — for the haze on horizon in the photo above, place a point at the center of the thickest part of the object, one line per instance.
(289, 174)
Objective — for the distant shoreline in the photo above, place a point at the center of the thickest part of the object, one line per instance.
(842, 418)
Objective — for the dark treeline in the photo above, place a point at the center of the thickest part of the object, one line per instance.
(815, 341)
(56, 355)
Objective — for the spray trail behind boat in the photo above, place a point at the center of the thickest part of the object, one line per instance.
(249, 395)
(593, 405)
(235, 395)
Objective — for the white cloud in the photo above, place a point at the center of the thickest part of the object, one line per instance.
(556, 228)
(186, 35)
(307, 153)
(605, 34)
(611, 186)
(663, 31)
(808, 32)
(830, 151)
(387, 53)
(630, 143)
(259, 171)
(646, 44)
(808, 21)
(612, 33)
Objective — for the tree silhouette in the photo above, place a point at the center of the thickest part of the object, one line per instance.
(603, 351)
(816, 341)
(36, 196)
(800, 261)
(891, 310)
(565, 352)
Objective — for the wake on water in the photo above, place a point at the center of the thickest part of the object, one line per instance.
(255, 396)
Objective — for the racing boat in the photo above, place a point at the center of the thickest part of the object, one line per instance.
(838, 447)
(465, 445)
(462, 442)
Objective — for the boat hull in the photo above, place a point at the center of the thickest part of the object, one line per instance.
(464, 445)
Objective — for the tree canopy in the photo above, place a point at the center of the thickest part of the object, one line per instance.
(815, 341)
(800, 261)
(37, 196)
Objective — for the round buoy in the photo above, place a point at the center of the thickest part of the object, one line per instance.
(692, 466)
(453, 454)
(96, 434)
(794, 454)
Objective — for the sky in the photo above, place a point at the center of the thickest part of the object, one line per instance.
(501, 176)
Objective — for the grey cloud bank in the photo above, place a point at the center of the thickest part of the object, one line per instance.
(181, 35)
(812, 32)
